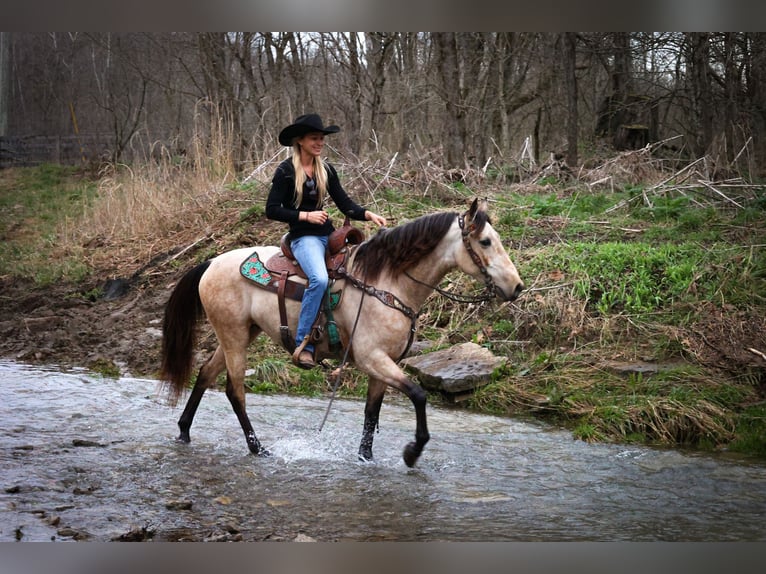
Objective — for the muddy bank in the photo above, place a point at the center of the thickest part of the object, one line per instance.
(65, 324)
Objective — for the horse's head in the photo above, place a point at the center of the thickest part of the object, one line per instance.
(484, 255)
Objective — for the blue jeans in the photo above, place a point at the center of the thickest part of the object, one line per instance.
(309, 251)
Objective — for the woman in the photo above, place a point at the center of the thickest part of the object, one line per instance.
(298, 190)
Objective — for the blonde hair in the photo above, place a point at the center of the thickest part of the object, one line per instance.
(320, 176)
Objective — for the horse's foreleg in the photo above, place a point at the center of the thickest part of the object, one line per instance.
(205, 379)
(413, 449)
(376, 389)
(384, 370)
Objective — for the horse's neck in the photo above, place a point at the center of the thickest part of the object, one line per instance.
(419, 281)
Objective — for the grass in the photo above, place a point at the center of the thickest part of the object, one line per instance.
(629, 273)
(37, 205)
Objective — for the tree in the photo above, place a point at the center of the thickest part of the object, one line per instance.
(570, 75)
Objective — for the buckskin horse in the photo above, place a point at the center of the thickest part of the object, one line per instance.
(384, 282)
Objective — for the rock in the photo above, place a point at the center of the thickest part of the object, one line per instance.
(455, 370)
(115, 288)
(68, 532)
(136, 534)
(179, 504)
(83, 442)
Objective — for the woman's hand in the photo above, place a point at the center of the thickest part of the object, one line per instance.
(315, 217)
(375, 218)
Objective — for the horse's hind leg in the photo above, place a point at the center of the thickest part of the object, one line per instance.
(235, 392)
(376, 389)
(205, 379)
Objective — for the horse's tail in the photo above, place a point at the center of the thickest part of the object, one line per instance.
(179, 332)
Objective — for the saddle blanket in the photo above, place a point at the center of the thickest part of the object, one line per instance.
(255, 270)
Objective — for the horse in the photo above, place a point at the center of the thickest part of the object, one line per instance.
(387, 279)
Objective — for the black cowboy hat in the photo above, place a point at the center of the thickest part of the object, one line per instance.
(303, 125)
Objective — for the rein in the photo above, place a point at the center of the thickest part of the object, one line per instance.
(486, 295)
(342, 363)
(489, 285)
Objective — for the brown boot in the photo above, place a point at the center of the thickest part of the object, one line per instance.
(303, 359)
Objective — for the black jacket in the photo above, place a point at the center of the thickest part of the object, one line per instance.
(280, 202)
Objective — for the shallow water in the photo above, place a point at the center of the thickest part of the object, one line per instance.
(87, 458)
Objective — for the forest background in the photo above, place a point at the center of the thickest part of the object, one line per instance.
(462, 99)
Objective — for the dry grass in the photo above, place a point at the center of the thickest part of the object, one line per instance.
(163, 205)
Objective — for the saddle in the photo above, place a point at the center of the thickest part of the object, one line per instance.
(279, 272)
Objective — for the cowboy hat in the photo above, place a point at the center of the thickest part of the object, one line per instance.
(303, 125)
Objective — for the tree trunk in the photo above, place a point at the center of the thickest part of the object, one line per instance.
(447, 62)
(570, 67)
(757, 99)
(702, 101)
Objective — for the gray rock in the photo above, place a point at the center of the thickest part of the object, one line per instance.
(458, 369)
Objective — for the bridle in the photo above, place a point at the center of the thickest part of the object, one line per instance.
(489, 285)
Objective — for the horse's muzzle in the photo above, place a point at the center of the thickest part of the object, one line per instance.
(513, 296)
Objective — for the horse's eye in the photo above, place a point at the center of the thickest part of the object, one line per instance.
(485, 242)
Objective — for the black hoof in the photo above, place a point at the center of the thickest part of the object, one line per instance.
(411, 454)
(365, 454)
(184, 438)
(257, 449)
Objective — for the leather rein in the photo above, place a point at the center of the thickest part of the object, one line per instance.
(391, 300)
(489, 285)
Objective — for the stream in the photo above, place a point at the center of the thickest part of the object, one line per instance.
(95, 459)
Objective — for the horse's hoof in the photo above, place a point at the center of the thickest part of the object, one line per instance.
(365, 454)
(411, 454)
(184, 438)
(257, 450)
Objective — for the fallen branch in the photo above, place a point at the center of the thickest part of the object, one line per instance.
(727, 198)
(185, 249)
(260, 167)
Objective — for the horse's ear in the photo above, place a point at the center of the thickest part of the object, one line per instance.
(476, 206)
(476, 216)
(473, 208)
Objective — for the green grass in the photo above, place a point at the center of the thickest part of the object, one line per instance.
(37, 203)
(750, 436)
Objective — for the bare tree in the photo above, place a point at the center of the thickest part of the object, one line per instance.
(451, 90)
(697, 61)
(470, 95)
(570, 75)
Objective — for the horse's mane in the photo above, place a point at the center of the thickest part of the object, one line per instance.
(398, 249)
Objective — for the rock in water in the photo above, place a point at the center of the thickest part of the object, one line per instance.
(458, 369)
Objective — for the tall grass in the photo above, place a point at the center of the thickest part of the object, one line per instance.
(164, 203)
